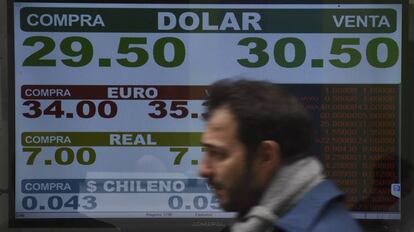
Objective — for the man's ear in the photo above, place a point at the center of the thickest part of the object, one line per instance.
(268, 159)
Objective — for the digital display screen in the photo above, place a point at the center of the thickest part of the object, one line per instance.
(109, 100)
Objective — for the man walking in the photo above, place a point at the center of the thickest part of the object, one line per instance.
(257, 160)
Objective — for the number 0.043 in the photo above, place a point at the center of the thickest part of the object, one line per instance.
(346, 48)
(59, 203)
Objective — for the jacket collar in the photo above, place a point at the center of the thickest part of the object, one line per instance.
(309, 207)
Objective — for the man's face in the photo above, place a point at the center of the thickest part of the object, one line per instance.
(225, 162)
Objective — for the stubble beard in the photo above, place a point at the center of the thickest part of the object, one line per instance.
(243, 195)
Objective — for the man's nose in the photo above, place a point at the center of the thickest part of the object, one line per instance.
(204, 169)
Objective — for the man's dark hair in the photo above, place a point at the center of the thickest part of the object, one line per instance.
(264, 111)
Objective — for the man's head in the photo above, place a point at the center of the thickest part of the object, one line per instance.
(253, 127)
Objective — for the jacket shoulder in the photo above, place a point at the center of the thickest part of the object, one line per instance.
(335, 217)
(320, 210)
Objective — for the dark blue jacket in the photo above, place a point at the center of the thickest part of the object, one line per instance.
(320, 210)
